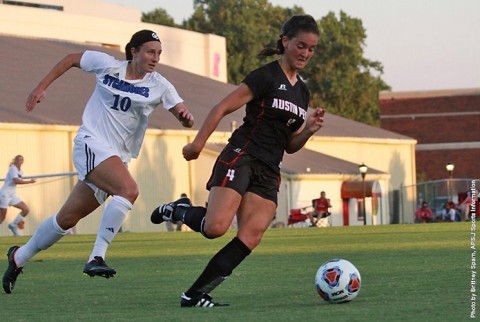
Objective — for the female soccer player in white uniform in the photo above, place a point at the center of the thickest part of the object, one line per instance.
(113, 127)
(8, 194)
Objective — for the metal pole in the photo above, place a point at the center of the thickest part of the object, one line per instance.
(37, 176)
(364, 208)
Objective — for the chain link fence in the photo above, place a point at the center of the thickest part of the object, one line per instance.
(436, 193)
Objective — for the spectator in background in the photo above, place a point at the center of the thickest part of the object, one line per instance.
(448, 213)
(424, 214)
(320, 209)
(8, 195)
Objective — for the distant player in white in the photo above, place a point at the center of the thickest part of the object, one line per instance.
(112, 132)
(8, 194)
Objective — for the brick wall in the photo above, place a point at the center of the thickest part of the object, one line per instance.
(432, 127)
(431, 164)
(436, 129)
(441, 104)
(437, 119)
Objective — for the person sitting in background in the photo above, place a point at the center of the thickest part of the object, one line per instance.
(320, 208)
(448, 212)
(424, 214)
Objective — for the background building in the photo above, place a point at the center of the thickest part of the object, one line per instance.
(94, 22)
(329, 161)
(446, 125)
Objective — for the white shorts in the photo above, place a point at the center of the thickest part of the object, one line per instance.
(88, 153)
(9, 200)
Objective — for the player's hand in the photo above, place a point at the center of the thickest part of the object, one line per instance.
(185, 117)
(191, 151)
(36, 96)
(315, 120)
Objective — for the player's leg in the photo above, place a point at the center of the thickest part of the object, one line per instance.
(4, 204)
(79, 204)
(229, 181)
(24, 210)
(254, 217)
(113, 177)
(222, 205)
(103, 170)
(3, 214)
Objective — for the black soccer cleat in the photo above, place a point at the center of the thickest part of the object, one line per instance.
(166, 211)
(203, 300)
(12, 272)
(98, 267)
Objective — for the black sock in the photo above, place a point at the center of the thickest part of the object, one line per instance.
(191, 216)
(220, 267)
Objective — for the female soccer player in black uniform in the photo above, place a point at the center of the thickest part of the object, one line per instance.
(246, 176)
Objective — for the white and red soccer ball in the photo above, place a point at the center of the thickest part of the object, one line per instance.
(338, 281)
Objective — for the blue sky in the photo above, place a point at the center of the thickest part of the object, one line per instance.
(422, 44)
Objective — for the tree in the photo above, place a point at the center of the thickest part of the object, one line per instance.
(159, 16)
(338, 75)
(248, 26)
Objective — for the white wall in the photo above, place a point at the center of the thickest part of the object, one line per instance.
(201, 54)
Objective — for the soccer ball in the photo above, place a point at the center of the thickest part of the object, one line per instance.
(338, 281)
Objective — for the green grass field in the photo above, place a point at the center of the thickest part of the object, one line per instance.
(409, 273)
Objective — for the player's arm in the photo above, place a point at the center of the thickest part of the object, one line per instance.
(232, 102)
(38, 94)
(181, 112)
(23, 181)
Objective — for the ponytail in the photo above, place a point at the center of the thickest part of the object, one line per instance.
(128, 51)
(272, 51)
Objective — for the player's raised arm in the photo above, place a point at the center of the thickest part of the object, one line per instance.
(38, 93)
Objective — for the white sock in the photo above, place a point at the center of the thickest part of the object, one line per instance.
(112, 220)
(17, 219)
(47, 234)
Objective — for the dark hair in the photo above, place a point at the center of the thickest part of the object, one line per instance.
(138, 39)
(291, 28)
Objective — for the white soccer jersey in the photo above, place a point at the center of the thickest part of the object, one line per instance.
(9, 186)
(118, 109)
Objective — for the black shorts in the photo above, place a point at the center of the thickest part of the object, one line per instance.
(242, 172)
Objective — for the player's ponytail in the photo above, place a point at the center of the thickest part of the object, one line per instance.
(128, 51)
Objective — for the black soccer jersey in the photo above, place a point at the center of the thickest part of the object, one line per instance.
(276, 111)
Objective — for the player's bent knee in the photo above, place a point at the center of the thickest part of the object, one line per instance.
(214, 231)
(130, 193)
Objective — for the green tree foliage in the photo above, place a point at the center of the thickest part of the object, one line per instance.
(248, 26)
(338, 76)
(159, 16)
